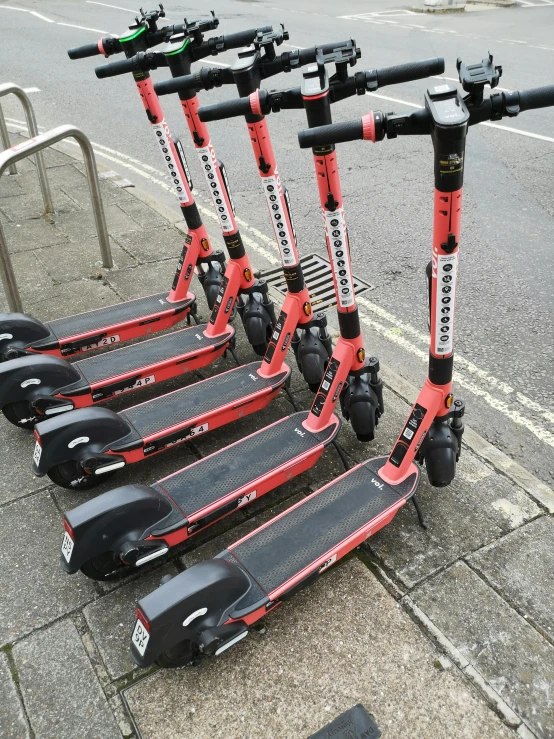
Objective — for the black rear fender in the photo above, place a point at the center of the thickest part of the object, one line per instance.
(104, 523)
(79, 435)
(19, 331)
(35, 376)
(258, 318)
(312, 350)
(198, 599)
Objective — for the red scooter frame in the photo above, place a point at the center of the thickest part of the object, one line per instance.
(101, 535)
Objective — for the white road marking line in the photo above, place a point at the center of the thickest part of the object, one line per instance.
(49, 20)
(393, 333)
(115, 7)
(455, 79)
(31, 89)
(217, 64)
(82, 28)
(31, 12)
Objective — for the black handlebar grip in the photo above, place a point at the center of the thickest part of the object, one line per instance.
(80, 52)
(228, 109)
(334, 133)
(408, 72)
(243, 38)
(112, 70)
(178, 84)
(538, 97)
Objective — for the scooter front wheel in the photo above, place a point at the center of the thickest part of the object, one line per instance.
(21, 414)
(104, 567)
(184, 654)
(72, 476)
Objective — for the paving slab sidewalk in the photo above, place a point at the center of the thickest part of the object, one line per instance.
(440, 633)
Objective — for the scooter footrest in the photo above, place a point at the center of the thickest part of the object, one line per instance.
(235, 467)
(292, 542)
(196, 400)
(113, 315)
(144, 354)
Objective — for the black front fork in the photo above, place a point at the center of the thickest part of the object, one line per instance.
(210, 274)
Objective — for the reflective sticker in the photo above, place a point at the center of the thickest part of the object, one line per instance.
(6, 336)
(163, 137)
(277, 207)
(31, 381)
(335, 229)
(447, 268)
(37, 453)
(78, 440)
(199, 612)
(217, 187)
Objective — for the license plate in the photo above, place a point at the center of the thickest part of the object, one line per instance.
(37, 453)
(106, 341)
(67, 547)
(140, 638)
(141, 382)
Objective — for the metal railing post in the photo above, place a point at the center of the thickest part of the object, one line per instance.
(9, 88)
(4, 135)
(33, 146)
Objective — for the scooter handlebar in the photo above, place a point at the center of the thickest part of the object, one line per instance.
(228, 109)
(80, 52)
(334, 133)
(537, 97)
(408, 72)
(242, 38)
(122, 66)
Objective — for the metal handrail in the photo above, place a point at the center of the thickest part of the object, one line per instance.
(9, 88)
(32, 146)
(4, 135)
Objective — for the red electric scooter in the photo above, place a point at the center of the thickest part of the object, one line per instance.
(33, 388)
(79, 448)
(130, 526)
(212, 606)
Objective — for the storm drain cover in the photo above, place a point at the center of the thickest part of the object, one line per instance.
(319, 281)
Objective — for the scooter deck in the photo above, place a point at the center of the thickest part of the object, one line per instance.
(181, 407)
(112, 316)
(146, 355)
(324, 527)
(233, 477)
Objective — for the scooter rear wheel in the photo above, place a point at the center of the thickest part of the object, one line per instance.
(181, 655)
(103, 568)
(71, 475)
(19, 414)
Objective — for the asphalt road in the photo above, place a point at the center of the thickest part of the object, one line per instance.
(504, 326)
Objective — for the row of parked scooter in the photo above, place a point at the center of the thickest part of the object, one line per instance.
(213, 605)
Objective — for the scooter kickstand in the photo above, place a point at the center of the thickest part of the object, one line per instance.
(419, 512)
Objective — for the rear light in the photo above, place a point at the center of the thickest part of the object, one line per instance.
(142, 618)
(68, 528)
(37, 437)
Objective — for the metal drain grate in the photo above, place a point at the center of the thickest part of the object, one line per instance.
(319, 280)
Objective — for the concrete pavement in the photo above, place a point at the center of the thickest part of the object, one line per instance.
(441, 633)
